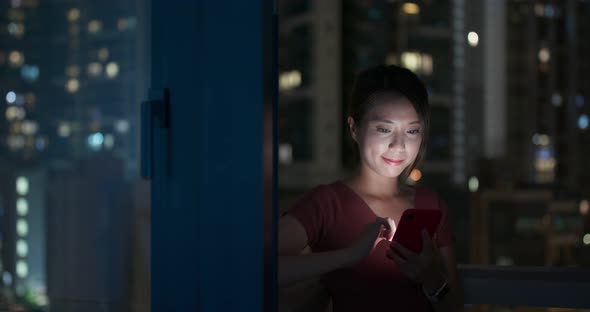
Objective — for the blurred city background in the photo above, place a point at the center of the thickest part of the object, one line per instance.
(509, 83)
(74, 215)
(509, 86)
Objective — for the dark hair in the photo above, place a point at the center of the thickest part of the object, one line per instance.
(394, 80)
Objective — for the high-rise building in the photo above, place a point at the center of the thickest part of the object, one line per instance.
(21, 55)
(71, 75)
(530, 66)
(524, 71)
(309, 92)
(89, 236)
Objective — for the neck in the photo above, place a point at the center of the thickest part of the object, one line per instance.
(376, 185)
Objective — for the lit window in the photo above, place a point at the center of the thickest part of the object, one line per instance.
(556, 99)
(132, 20)
(30, 99)
(289, 80)
(22, 227)
(30, 73)
(22, 269)
(64, 130)
(20, 113)
(16, 58)
(285, 153)
(10, 97)
(391, 59)
(410, 8)
(22, 248)
(583, 122)
(40, 143)
(22, 207)
(29, 127)
(94, 26)
(109, 141)
(420, 63)
(72, 85)
(549, 11)
(95, 141)
(584, 207)
(504, 261)
(20, 100)
(10, 113)
(473, 39)
(22, 185)
(411, 60)
(15, 128)
(94, 69)
(539, 9)
(7, 278)
(541, 139)
(122, 126)
(73, 71)
(73, 15)
(103, 54)
(15, 113)
(16, 29)
(112, 70)
(544, 55)
(15, 142)
(473, 184)
(427, 64)
(122, 24)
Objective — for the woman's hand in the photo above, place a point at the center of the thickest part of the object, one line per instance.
(372, 234)
(423, 267)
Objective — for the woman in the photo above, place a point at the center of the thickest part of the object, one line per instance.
(349, 224)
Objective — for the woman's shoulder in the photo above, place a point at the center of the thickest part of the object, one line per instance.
(322, 192)
(427, 196)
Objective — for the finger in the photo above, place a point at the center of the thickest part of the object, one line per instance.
(399, 261)
(403, 251)
(395, 257)
(392, 228)
(405, 267)
(391, 223)
(426, 241)
(383, 221)
(385, 233)
(375, 228)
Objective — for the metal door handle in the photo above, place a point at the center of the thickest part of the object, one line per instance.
(154, 113)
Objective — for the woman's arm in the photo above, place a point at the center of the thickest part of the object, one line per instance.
(293, 266)
(453, 300)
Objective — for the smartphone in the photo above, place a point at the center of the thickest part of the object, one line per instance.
(409, 229)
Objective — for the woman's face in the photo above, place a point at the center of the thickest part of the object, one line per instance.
(389, 136)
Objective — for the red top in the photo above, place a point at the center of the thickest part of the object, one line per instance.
(333, 216)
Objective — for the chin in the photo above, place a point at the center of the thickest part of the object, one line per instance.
(391, 173)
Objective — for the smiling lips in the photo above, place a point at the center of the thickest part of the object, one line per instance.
(393, 162)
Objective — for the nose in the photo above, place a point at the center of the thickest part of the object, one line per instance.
(398, 142)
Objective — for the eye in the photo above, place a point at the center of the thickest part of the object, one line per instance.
(414, 131)
(383, 130)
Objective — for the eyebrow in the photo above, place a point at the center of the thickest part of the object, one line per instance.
(393, 122)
